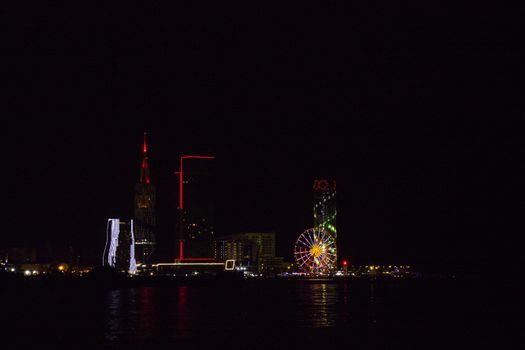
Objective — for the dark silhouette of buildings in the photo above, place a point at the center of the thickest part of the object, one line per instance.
(196, 207)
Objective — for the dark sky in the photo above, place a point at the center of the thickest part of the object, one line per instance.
(402, 104)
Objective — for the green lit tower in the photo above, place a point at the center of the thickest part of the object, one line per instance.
(144, 212)
(325, 208)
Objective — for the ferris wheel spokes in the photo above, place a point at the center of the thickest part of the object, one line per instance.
(315, 250)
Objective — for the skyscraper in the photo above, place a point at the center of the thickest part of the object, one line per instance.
(325, 209)
(196, 207)
(119, 251)
(144, 211)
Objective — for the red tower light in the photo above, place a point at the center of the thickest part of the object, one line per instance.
(144, 171)
(345, 263)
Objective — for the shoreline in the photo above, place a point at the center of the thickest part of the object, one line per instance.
(121, 281)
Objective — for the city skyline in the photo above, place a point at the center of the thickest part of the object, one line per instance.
(403, 122)
(329, 174)
(299, 193)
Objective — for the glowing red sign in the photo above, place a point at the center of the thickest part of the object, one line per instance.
(320, 185)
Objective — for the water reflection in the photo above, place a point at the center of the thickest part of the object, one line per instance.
(185, 311)
(181, 312)
(321, 305)
(129, 314)
(146, 324)
(380, 314)
(113, 319)
(372, 315)
(346, 303)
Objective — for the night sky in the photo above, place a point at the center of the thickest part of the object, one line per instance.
(416, 117)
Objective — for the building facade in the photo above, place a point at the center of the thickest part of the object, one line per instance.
(255, 249)
(264, 243)
(196, 207)
(119, 251)
(325, 208)
(144, 211)
(239, 250)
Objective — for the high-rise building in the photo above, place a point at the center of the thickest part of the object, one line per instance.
(144, 211)
(119, 251)
(325, 208)
(196, 207)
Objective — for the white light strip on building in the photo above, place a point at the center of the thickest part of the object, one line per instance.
(106, 245)
(132, 262)
(115, 230)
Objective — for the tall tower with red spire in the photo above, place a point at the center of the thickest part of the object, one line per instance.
(144, 211)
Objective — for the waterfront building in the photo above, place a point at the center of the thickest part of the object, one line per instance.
(264, 241)
(144, 211)
(196, 207)
(325, 209)
(273, 265)
(119, 251)
(255, 249)
(232, 249)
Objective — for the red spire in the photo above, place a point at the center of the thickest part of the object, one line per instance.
(144, 169)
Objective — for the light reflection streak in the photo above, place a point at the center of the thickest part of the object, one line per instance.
(322, 305)
(114, 317)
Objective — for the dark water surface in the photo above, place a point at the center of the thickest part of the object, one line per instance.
(416, 314)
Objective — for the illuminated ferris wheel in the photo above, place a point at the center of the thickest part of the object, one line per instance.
(315, 250)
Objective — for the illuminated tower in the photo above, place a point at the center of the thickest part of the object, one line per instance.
(325, 209)
(195, 236)
(144, 213)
